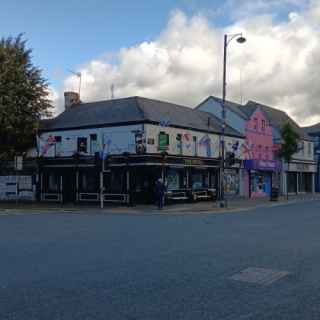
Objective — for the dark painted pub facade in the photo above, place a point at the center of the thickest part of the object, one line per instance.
(117, 149)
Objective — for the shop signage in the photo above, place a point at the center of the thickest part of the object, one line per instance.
(195, 162)
(302, 167)
(267, 165)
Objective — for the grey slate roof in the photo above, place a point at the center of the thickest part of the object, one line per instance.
(313, 130)
(277, 117)
(134, 110)
(233, 106)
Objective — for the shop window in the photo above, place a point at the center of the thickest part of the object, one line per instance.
(163, 141)
(292, 182)
(93, 143)
(179, 143)
(260, 184)
(82, 145)
(195, 146)
(58, 146)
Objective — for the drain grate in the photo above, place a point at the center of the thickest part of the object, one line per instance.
(259, 276)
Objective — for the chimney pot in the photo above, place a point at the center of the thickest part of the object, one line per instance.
(71, 98)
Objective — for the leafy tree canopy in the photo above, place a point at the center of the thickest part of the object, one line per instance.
(289, 144)
(24, 97)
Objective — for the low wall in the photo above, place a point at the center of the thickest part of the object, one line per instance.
(17, 187)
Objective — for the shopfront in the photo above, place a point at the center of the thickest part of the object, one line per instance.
(263, 175)
(300, 177)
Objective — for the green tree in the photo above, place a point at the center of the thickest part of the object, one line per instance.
(289, 145)
(24, 97)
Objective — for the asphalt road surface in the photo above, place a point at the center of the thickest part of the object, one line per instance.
(258, 264)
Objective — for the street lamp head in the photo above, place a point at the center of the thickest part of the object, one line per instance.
(241, 39)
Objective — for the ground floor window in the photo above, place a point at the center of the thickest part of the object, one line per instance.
(176, 179)
(292, 182)
(305, 182)
(88, 182)
(115, 181)
(200, 179)
(51, 182)
(260, 184)
(231, 182)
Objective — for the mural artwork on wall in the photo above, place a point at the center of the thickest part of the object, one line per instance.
(45, 145)
(246, 150)
(105, 150)
(187, 140)
(164, 122)
(140, 142)
(205, 141)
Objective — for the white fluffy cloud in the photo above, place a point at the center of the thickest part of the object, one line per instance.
(278, 65)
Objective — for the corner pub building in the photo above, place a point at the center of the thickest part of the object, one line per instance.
(116, 149)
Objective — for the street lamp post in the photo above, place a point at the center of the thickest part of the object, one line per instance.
(227, 39)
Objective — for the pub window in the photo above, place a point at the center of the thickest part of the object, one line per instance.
(88, 182)
(58, 150)
(82, 144)
(93, 143)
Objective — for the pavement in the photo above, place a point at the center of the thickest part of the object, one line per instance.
(260, 263)
(233, 204)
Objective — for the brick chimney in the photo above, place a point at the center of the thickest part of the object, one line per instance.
(71, 98)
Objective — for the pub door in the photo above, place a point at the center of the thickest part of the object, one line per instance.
(68, 186)
(142, 184)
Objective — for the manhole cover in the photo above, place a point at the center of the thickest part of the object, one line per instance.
(259, 276)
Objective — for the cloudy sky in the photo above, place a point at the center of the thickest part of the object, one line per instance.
(173, 51)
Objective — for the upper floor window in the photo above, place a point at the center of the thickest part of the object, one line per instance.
(82, 144)
(263, 125)
(255, 124)
(93, 143)
(58, 146)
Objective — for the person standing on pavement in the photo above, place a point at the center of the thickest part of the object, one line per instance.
(160, 190)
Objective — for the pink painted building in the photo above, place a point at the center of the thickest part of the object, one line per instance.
(259, 157)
